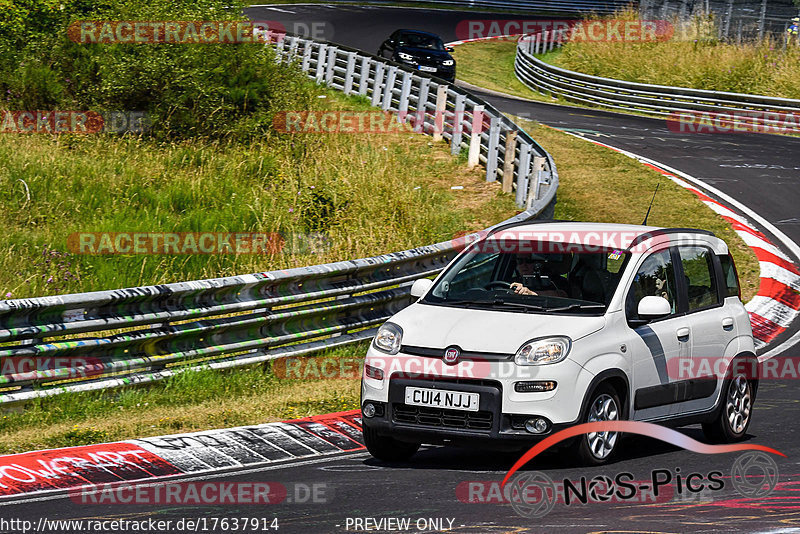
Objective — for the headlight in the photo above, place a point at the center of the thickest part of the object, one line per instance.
(448, 62)
(405, 57)
(543, 351)
(388, 338)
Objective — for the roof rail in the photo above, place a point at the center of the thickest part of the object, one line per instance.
(649, 235)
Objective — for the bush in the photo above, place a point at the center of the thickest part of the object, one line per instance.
(187, 91)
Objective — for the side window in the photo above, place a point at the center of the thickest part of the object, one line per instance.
(655, 277)
(698, 270)
(730, 276)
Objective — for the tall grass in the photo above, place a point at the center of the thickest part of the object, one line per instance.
(368, 194)
(692, 58)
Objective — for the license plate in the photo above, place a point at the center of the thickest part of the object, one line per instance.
(440, 398)
(427, 69)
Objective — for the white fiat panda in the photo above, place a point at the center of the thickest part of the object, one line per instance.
(535, 327)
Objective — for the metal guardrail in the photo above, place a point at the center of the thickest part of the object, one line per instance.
(108, 339)
(538, 7)
(660, 100)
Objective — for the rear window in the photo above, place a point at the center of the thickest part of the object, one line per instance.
(730, 276)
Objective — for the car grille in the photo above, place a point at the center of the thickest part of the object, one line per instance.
(436, 417)
(428, 61)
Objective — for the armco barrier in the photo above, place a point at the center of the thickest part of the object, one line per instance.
(659, 100)
(107, 339)
(537, 7)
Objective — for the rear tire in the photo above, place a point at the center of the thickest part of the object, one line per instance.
(598, 448)
(735, 413)
(386, 448)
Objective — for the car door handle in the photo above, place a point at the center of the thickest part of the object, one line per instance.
(682, 333)
(727, 323)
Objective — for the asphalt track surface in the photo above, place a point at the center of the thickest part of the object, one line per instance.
(761, 171)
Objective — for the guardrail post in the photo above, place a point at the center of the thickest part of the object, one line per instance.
(441, 107)
(405, 91)
(475, 137)
(492, 152)
(391, 77)
(349, 73)
(333, 53)
(536, 173)
(377, 84)
(458, 124)
(531, 42)
(523, 173)
(545, 40)
(422, 105)
(279, 49)
(538, 41)
(323, 49)
(508, 161)
(293, 43)
(363, 76)
(306, 56)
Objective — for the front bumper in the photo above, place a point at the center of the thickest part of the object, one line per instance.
(445, 72)
(489, 427)
(502, 412)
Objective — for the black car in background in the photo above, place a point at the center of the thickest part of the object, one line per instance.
(422, 51)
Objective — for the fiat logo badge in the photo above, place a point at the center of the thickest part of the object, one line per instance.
(451, 355)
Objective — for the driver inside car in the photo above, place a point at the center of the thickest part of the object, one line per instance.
(530, 271)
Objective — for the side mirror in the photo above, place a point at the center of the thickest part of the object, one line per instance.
(449, 49)
(653, 307)
(421, 287)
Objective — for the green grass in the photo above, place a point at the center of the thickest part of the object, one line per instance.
(185, 403)
(369, 194)
(490, 64)
(763, 69)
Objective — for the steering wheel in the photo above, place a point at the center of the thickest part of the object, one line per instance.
(501, 283)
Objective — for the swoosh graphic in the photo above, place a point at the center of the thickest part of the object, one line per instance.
(633, 427)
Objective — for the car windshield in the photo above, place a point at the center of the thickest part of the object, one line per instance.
(419, 40)
(564, 279)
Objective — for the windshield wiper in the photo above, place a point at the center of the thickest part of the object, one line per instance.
(579, 307)
(496, 303)
(523, 305)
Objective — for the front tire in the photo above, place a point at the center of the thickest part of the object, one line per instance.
(386, 448)
(598, 448)
(733, 418)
